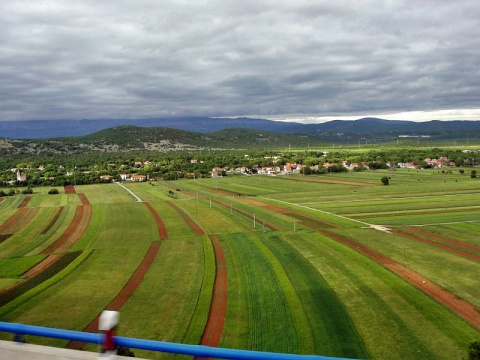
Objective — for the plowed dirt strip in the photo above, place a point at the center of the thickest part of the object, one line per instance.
(442, 238)
(218, 307)
(69, 189)
(53, 221)
(435, 244)
(18, 220)
(83, 199)
(24, 202)
(329, 181)
(124, 294)
(460, 307)
(197, 230)
(162, 231)
(68, 232)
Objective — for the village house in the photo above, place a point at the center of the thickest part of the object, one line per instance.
(20, 177)
(138, 177)
(217, 171)
(123, 177)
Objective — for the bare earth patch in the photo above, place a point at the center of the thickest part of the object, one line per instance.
(197, 230)
(218, 308)
(69, 189)
(162, 231)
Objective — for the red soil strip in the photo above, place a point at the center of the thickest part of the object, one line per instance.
(329, 181)
(41, 270)
(18, 220)
(24, 202)
(461, 307)
(54, 220)
(197, 230)
(162, 231)
(406, 213)
(69, 189)
(435, 244)
(442, 238)
(83, 199)
(223, 192)
(124, 294)
(258, 203)
(42, 265)
(218, 307)
(77, 219)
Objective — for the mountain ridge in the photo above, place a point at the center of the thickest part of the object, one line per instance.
(45, 129)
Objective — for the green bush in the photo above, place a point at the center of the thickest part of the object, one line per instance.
(53, 191)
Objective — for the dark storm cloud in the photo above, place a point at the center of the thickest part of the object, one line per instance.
(110, 59)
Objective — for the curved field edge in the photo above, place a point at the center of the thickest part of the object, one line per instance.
(174, 315)
(334, 333)
(125, 293)
(26, 296)
(411, 324)
(257, 316)
(216, 314)
(204, 300)
(17, 266)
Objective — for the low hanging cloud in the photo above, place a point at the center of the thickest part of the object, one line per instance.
(125, 59)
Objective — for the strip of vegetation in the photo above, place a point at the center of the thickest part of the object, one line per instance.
(22, 293)
(331, 326)
(15, 267)
(271, 324)
(202, 309)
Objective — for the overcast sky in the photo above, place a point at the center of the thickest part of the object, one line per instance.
(294, 59)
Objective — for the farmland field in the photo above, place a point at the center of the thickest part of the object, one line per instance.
(335, 265)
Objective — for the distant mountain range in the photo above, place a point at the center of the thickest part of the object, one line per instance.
(366, 128)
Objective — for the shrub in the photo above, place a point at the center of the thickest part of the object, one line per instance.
(474, 350)
(53, 191)
(385, 180)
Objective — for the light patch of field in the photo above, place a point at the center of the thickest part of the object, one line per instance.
(105, 194)
(28, 237)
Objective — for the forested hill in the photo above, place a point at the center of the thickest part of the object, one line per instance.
(134, 138)
(44, 129)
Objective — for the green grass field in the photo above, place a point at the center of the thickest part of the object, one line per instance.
(291, 288)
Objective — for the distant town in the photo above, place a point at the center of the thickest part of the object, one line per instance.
(224, 164)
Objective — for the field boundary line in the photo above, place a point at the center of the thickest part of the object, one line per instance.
(130, 191)
(373, 226)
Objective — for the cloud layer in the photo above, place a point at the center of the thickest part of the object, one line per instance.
(145, 58)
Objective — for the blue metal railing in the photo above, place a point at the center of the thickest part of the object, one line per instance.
(161, 346)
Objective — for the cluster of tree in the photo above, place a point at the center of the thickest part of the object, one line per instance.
(86, 169)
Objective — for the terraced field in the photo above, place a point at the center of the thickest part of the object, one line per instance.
(335, 265)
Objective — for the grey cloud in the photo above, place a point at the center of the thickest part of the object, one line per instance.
(91, 59)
